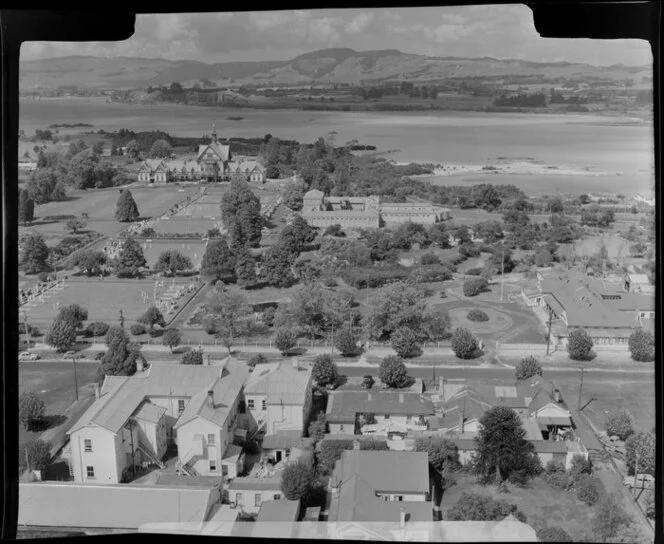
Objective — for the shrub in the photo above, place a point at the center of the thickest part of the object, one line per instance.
(405, 342)
(559, 480)
(298, 480)
(474, 287)
(285, 340)
(31, 409)
(475, 507)
(527, 368)
(554, 467)
(579, 345)
(137, 329)
(39, 455)
(42, 276)
(580, 466)
(477, 315)
(345, 342)
(330, 282)
(324, 371)
(587, 489)
(464, 344)
(392, 371)
(429, 258)
(474, 271)
(519, 478)
(267, 317)
(98, 328)
(192, 358)
(643, 444)
(258, 359)
(553, 534)
(620, 424)
(642, 346)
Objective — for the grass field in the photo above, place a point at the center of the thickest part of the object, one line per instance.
(100, 204)
(498, 321)
(103, 300)
(182, 225)
(543, 505)
(201, 210)
(609, 394)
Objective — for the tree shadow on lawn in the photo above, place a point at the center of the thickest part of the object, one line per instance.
(296, 352)
(47, 422)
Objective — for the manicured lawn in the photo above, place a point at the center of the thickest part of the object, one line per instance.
(543, 505)
(103, 300)
(498, 321)
(609, 394)
(194, 249)
(182, 225)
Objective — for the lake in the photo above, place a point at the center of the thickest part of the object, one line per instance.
(572, 140)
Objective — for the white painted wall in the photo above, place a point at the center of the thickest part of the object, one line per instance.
(248, 498)
(105, 447)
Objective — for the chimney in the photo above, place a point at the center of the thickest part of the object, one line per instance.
(97, 392)
(356, 444)
(556, 396)
(401, 398)
(210, 399)
(461, 423)
(402, 517)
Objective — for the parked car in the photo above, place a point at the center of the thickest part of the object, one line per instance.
(27, 356)
(70, 355)
(367, 381)
(642, 481)
(99, 355)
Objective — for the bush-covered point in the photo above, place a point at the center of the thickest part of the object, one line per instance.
(137, 329)
(477, 315)
(553, 534)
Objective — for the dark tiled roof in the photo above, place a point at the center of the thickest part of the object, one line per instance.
(345, 405)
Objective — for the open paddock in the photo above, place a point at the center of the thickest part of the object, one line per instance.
(194, 249)
(615, 246)
(103, 299)
(101, 203)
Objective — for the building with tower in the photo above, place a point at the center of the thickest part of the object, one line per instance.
(213, 159)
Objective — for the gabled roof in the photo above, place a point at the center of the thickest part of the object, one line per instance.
(280, 382)
(220, 150)
(281, 510)
(284, 440)
(150, 412)
(638, 278)
(153, 165)
(314, 194)
(343, 406)
(359, 475)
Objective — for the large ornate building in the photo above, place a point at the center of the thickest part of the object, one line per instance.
(365, 212)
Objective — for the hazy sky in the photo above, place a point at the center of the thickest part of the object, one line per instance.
(499, 31)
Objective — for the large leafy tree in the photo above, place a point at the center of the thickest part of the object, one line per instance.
(298, 480)
(502, 447)
(397, 305)
(172, 261)
(443, 454)
(45, 185)
(285, 340)
(33, 253)
(293, 195)
(642, 345)
(324, 371)
(26, 207)
(89, 262)
(74, 314)
(318, 427)
(161, 149)
(120, 357)
(31, 409)
(346, 342)
(81, 169)
(126, 209)
(527, 368)
(405, 342)
(245, 267)
(392, 371)
(172, 338)
(229, 315)
(61, 335)
(194, 357)
(152, 317)
(241, 214)
(38, 455)
(620, 423)
(297, 235)
(218, 262)
(464, 343)
(640, 446)
(130, 259)
(276, 269)
(579, 345)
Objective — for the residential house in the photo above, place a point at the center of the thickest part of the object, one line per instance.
(286, 445)
(279, 397)
(380, 486)
(248, 493)
(106, 149)
(638, 283)
(377, 412)
(136, 418)
(153, 171)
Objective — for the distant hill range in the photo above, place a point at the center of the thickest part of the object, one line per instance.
(326, 66)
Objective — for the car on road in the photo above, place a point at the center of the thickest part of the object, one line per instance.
(27, 356)
(642, 481)
(70, 355)
(99, 355)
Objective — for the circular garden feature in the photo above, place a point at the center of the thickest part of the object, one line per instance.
(477, 315)
(497, 321)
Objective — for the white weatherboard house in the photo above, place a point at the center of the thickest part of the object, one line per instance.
(278, 396)
(135, 419)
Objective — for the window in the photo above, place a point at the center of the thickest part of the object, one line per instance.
(264, 405)
(180, 406)
(341, 428)
(213, 465)
(88, 444)
(257, 499)
(250, 404)
(90, 471)
(211, 441)
(277, 496)
(238, 498)
(387, 416)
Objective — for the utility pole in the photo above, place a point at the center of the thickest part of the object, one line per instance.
(502, 271)
(121, 319)
(75, 378)
(581, 388)
(27, 331)
(548, 337)
(636, 464)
